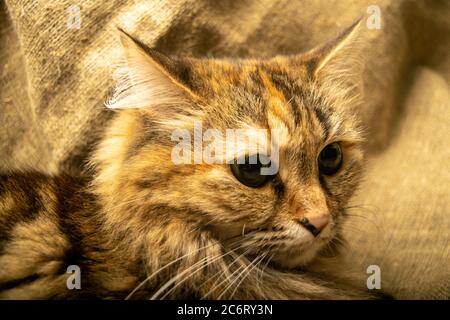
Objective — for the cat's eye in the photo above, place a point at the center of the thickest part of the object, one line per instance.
(247, 170)
(330, 159)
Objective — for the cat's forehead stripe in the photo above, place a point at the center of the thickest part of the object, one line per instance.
(295, 112)
(323, 119)
(270, 86)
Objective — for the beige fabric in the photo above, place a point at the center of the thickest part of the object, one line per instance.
(405, 228)
(54, 81)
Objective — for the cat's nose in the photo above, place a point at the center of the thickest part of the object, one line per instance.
(315, 224)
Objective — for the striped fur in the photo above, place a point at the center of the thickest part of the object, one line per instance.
(146, 228)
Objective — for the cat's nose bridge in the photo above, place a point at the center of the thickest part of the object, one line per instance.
(308, 197)
(309, 208)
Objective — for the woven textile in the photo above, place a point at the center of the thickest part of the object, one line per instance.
(55, 77)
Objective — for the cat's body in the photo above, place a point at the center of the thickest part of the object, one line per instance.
(147, 228)
(51, 223)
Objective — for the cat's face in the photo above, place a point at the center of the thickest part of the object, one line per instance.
(288, 216)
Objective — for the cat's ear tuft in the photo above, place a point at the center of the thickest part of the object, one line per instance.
(337, 57)
(147, 78)
(337, 66)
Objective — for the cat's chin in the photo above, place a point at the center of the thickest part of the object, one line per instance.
(294, 258)
(300, 255)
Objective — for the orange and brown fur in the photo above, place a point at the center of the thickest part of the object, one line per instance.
(147, 228)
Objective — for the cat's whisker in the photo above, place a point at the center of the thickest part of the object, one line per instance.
(259, 276)
(194, 268)
(357, 219)
(265, 266)
(245, 268)
(248, 270)
(231, 279)
(364, 217)
(189, 270)
(363, 206)
(352, 225)
(187, 278)
(191, 273)
(227, 279)
(253, 239)
(215, 285)
(370, 211)
(336, 241)
(165, 267)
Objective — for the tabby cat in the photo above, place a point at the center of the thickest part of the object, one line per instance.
(146, 228)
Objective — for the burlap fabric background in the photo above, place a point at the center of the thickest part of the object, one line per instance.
(54, 80)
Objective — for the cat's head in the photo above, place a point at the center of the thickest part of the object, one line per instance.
(308, 101)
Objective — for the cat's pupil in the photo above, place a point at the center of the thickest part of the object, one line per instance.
(330, 159)
(248, 173)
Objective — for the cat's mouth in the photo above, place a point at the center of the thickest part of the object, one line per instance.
(285, 247)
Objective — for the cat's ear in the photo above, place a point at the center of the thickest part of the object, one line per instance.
(337, 66)
(147, 78)
(339, 56)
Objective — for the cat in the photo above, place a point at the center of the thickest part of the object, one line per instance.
(146, 228)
